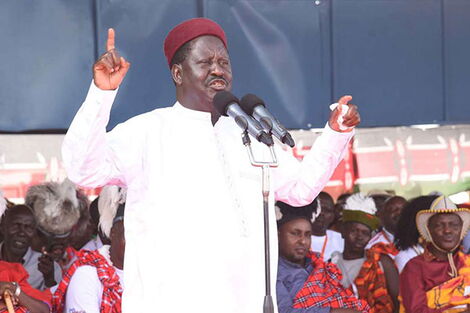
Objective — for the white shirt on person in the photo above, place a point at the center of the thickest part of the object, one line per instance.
(93, 244)
(405, 255)
(85, 290)
(193, 201)
(35, 277)
(331, 242)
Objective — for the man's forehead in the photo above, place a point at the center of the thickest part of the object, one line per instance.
(208, 44)
(23, 216)
(298, 224)
(357, 225)
(436, 218)
(327, 205)
(396, 201)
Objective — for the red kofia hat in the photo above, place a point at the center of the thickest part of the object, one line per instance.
(188, 30)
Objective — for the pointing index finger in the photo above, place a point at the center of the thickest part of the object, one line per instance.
(110, 41)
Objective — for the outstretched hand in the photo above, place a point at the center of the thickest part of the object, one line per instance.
(348, 120)
(111, 68)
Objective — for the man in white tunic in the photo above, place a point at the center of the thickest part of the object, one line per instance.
(194, 218)
(100, 270)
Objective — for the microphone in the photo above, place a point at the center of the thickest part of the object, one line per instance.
(228, 105)
(254, 106)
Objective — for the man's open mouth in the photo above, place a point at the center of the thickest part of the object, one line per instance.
(218, 84)
(20, 243)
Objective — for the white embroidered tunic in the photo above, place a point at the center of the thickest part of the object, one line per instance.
(194, 217)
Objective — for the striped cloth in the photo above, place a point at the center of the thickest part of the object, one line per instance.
(15, 272)
(112, 290)
(452, 295)
(323, 288)
(370, 281)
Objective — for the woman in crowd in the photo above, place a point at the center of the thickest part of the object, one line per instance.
(407, 235)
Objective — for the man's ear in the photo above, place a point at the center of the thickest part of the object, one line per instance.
(177, 74)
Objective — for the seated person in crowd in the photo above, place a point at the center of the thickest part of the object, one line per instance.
(14, 279)
(407, 238)
(4, 204)
(439, 279)
(18, 226)
(325, 241)
(305, 283)
(101, 271)
(389, 217)
(321, 210)
(371, 274)
(339, 205)
(57, 208)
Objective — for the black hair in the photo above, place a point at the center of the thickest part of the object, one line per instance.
(94, 213)
(290, 213)
(326, 195)
(407, 234)
(343, 196)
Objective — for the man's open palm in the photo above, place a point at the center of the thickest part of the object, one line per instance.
(111, 68)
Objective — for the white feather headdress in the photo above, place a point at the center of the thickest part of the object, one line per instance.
(108, 203)
(360, 202)
(56, 206)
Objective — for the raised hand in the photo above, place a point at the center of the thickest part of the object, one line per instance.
(344, 121)
(111, 68)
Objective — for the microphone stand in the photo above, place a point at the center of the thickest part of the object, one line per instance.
(268, 306)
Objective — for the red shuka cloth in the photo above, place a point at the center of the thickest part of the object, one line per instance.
(15, 272)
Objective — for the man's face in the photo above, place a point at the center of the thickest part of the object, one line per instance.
(19, 228)
(294, 240)
(205, 71)
(391, 213)
(326, 217)
(445, 230)
(57, 247)
(356, 236)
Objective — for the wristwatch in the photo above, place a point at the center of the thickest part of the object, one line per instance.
(17, 289)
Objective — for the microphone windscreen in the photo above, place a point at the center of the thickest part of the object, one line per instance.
(249, 102)
(221, 101)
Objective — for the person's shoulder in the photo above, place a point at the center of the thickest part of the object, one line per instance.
(31, 257)
(14, 270)
(414, 263)
(407, 253)
(85, 273)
